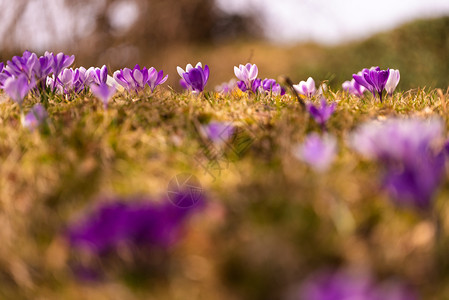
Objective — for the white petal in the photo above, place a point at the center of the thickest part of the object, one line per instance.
(180, 71)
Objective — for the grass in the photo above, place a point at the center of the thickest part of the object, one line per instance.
(269, 222)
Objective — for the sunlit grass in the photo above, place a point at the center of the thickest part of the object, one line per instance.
(270, 220)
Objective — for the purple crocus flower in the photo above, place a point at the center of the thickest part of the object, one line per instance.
(318, 152)
(155, 78)
(321, 113)
(195, 77)
(413, 167)
(272, 87)
(354, 88)
(104, 92)
(18, 87)
(246, 74)
(218, 132)
(373, 79)
(306, 88)
(255, 86)
(22, 65)
(136, 224)
(35, 117)
(392, 81)
(42, 69)
(60, 61)
(98, 75)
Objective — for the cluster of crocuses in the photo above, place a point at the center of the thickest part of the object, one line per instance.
(374, 80)
(249, 82)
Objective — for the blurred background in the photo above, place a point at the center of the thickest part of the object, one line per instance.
(328, 40)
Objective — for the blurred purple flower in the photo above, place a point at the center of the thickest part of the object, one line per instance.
(321, 113)
(183, 84)
(318, 152)
(349, 284)
(22, 65)
(18, 87)
(354, 88)
(413, 167)
(226, 87)
(374, 79)
(271, 86)
(195, 77)
(218, 132)
(35, 117)
(306, 88)
(246, 74)
(392, 82)
(104, 92)
(155, 78)
(338, 285)
(60, 61)
(136, 224)
(42, 69)
(97, 75)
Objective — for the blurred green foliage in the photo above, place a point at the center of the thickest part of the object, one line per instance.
(420, 50)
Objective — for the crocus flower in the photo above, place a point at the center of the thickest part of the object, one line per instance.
(321, 113)
(354, 88)
(98, 75)
(392, 82)
(318, 152)
(218, 132)
(247, 74)
(272, 87)
(226, 87)
(104, 92)
(373, 79)
(255, 86)
(42, 69)
(413, 168)
(306, 88)
(133, 223)
(195, 77)
(18, 87)
(155, 78)
(60, 61)
(35, 117)
(22, 65)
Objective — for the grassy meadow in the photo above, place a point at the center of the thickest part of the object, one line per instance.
(269, 219)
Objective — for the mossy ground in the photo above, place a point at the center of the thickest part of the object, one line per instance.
(270, 220)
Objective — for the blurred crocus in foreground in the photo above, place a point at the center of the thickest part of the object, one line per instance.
(321, 113)
(306, 88)
(35, 117)
(218, 132)
(374, 79)
(392, 81)
(195, 78)
(352, 87)
(347, 284)
(413, 166)
(104, 92)
(318, 152)
(134, 224)
(18, 87)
